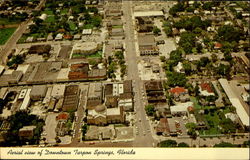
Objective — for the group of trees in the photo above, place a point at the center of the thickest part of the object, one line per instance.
(172, 143)
(150, 110)
(84, 131)
(176, 79)
(17, 121)
(189, 44)
(192, 24)
(15, 60)
(229, 33)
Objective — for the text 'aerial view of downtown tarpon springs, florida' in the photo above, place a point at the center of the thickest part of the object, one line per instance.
(124, 73)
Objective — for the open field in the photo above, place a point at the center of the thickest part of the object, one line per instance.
(5, 34)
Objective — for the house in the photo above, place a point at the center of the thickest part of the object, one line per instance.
(206, 89)
(26, 132)
(86, 31)
(180, 94)
(179, 68)
(59, 37)
(38, 92)
(217, 45)
(77, 37)
(156, 68)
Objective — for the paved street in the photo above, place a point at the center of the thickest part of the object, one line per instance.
(144, 137)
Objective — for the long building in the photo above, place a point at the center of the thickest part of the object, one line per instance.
(243, 115)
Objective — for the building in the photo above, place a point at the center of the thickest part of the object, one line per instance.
(101, 115)
(206, 89)
(26, 101)
(181, 109)
(39, 49)
(241, 111)
(100, 133)
(86, 31)
(147, 45)
(148, 14)
(38, 92)
(116, 32)
(26, 132)
(78, 71)
(180, 94)
(163, 127)
(58, 91)
(85, 48)
(71, 96)
(144, 24)
(4, 92)
(154, 91)
(95, 95)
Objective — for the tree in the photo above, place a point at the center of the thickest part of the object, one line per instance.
(150, 110)
(176, 79)
(223, 70)
(246, 144)
(208, 5)
(156, 30)
(183, 144)
(187, 41)
(187, 67)
(162, 58)
(229, 33)
(179, 7)
(191, 130)
(92, 62)
(227, 126)
(168, 143)
(176, 56)
(214, 57)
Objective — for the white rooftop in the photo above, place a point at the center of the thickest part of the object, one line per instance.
(148, 13)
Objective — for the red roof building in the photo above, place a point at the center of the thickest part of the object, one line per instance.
(178, 90)
(217, 45)
(62, 116)
(207, 87)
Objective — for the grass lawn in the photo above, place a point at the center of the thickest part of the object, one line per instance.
(98, 54)
(5, 34)
(88, 26)
(72, 26)
(48, 12)
(5, 21)
(50, 19)
(196, 105)
(64, 11)
(23, 39)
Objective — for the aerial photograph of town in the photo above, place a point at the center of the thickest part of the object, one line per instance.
(124, 73)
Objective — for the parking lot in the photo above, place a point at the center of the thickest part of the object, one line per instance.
(50, 126)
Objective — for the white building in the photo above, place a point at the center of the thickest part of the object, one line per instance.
(26, 101)
(58, 91)
(241, 112)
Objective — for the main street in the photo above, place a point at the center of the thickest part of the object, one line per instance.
(144, 137)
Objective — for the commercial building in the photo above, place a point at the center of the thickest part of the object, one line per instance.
(95, 95)
(148, 14)
(39, 49)
(58, 91)
(38, 92)
(71, 95)
(240, 110)
(26, 100)
(86, 48)
(26, 132)
(147, 45)
(154, 91)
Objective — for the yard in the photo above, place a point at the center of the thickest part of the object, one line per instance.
(98, 54)
(196, 104)
(5, 34)
(50, 19)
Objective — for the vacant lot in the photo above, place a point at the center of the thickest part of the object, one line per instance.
(5, 34)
